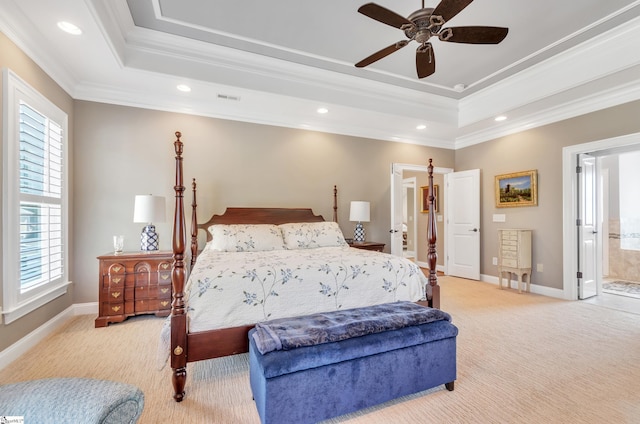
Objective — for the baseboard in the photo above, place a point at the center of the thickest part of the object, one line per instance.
(425, 265)
(19, 348)
(543, 290)
(85, 308)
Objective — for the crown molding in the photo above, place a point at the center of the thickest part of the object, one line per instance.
(19, 29)
(593, 102)
(611, 52)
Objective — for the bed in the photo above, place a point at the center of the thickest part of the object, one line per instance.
(266, 263)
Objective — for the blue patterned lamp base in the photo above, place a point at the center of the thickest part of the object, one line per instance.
(358, 234)
(149, 238)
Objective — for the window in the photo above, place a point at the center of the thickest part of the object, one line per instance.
(35, 199)
(629, 203)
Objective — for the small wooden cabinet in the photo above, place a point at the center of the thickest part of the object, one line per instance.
(368, 245)
(514, 256)
(133, 283)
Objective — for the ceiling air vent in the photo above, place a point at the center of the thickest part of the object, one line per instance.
(229, 97)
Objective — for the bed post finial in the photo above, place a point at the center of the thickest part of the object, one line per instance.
(432, 256)
(335, 203)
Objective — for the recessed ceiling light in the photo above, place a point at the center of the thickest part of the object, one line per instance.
(459, 87)
(500, 118)
(183, 87)
(421, 127)
(323, 110)
(69, 27)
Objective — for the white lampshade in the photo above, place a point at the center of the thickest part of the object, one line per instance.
(359, 211)
(149, 209)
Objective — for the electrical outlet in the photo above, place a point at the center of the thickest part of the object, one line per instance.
(539, 268)
(495, 260)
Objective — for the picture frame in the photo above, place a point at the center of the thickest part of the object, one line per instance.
(424, 193)
(517, 189)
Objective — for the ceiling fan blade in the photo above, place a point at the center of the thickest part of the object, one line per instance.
(382, 53)
(473, 34)
(425, 62)
(450, 8)
(383, 15)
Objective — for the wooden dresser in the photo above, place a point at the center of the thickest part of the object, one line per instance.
(368, 245)
(134, 283)
(514, 256)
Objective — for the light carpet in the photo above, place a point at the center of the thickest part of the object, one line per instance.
(522, 358)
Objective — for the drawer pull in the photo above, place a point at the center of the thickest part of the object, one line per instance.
(117, 268)
(115, 308)
(164, 303)
(115, 294)
(165, 277)
(116, 280)
(164, 266)
(164, 290)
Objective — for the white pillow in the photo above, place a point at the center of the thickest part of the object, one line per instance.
(309, 235)
(245, 238)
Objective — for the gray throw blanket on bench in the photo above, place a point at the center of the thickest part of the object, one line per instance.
(290, 333)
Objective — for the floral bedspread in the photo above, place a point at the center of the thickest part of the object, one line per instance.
(228, 289)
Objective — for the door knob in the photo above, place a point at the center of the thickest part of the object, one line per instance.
(475, 230)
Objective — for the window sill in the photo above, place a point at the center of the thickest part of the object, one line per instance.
(34, 303)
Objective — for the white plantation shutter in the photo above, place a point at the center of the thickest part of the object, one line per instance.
(35, 200)
(40, 198)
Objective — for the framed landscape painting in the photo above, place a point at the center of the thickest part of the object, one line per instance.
(517, 189)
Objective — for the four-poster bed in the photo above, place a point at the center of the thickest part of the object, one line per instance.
(292, 243)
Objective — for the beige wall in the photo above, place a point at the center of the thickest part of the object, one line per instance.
(540, 149)
(125, 151)
(13, 58)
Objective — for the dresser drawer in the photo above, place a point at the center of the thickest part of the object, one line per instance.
(134, 283)
(512, 263)
(509, 254)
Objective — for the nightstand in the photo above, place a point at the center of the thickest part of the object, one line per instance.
(368, 245)
(133, 283)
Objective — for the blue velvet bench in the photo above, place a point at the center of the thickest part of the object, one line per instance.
(72, 401)
(313, 383)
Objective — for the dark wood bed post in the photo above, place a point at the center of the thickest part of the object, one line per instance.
(178, 315)
(432, 256)
(335, 203)
(194, 225)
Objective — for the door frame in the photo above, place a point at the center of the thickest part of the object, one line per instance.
(570, 207)
(419, 168)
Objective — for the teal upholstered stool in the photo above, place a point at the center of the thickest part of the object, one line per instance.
(72, 400)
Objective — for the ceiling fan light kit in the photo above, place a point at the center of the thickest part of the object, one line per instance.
(425, 23)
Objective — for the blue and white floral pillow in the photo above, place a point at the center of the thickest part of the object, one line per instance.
(310, 235)
(245, 238)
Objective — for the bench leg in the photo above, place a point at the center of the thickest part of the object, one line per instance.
(449, 386)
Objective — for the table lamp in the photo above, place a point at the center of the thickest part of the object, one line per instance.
(359, 213)
(149, 209)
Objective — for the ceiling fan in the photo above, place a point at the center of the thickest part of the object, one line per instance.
(425, 23)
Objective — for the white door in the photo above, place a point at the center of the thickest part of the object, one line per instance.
(396, 209)
(587, 227)
(463, 216)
